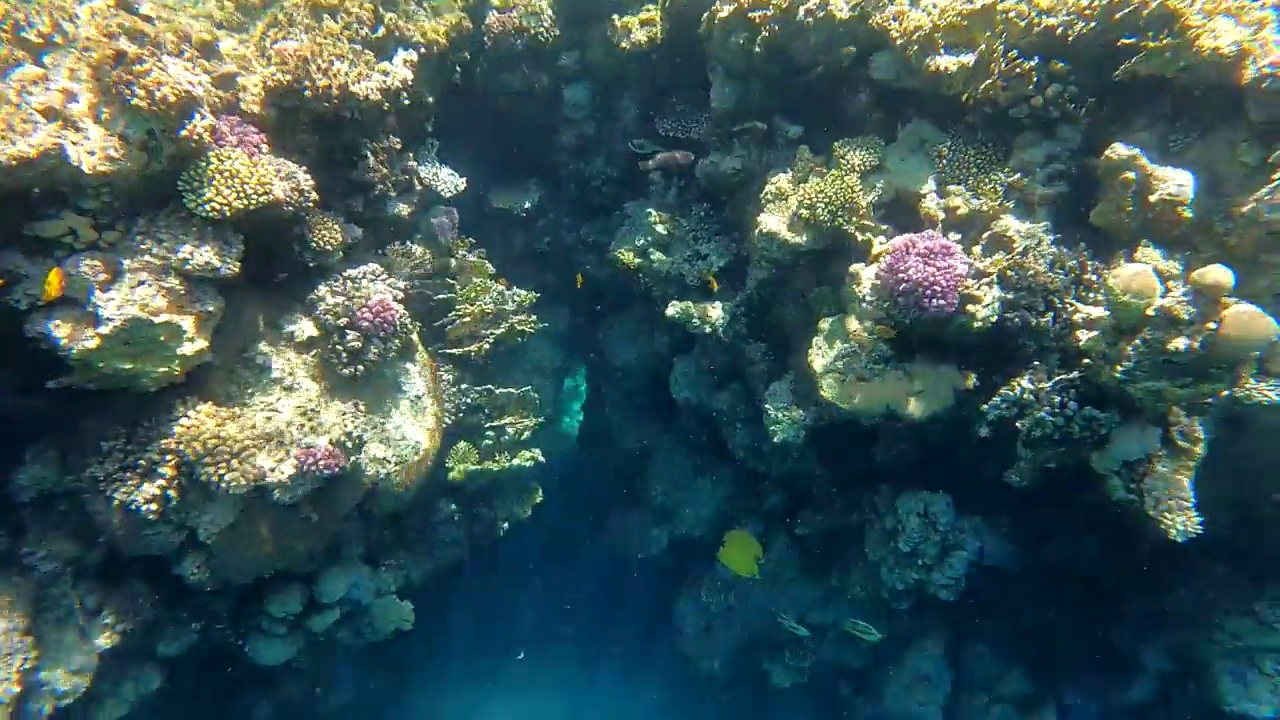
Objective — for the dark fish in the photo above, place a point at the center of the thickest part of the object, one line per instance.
(668, 160)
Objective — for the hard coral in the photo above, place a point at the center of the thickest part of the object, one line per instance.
(921, 275)
(320, 459)
(380, 316)
(231, 131)
(228, 182)
(361, 319)
(87, 87)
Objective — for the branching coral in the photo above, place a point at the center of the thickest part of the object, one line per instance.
(361, 319)
(482, 308)
(228, 182)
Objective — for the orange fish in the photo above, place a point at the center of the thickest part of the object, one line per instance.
(668, 160)
(711, 283)
(55, 284)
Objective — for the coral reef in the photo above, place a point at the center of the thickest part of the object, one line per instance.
(930, 316)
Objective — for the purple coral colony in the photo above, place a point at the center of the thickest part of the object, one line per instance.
(875, 320)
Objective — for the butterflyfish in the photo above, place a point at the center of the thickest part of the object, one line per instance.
(741, 553)
(55, 284)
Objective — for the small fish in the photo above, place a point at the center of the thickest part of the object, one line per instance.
(577, 281)
(741, 553)
(884, 332)
(55, 284)
(711, 283)
(668, 160)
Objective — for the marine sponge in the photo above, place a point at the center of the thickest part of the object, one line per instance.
(922, 274)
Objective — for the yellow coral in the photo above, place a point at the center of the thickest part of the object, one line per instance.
(84, 86)
(227, 182)
(641, 30)
(1168, 493)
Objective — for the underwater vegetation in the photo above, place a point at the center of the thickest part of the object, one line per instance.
(931, 346)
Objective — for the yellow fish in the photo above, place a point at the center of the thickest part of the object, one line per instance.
(577, 281)
(55, 284)
(711, 283)
(741, 553)
(884, 332)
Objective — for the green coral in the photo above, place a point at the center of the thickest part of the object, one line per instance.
(975, 165)
(225, 183)
(465, 464)
(835, 196)
(667, 247)
(640, 30)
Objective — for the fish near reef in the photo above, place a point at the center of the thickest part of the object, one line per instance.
(668, 160)
(741, 553)
(55, 285)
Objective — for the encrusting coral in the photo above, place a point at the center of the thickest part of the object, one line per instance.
(95, 89)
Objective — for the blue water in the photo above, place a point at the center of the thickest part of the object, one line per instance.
(547, 625)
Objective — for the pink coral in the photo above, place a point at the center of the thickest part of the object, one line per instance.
(379, 316)
(321, 460)
(921, 274)
(231, 131)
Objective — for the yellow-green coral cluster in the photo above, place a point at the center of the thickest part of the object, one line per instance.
(999, 51)
(227, 182)
(974, 165)
(640, 30)
(833, 195)
(325, 237)
(82, 84)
